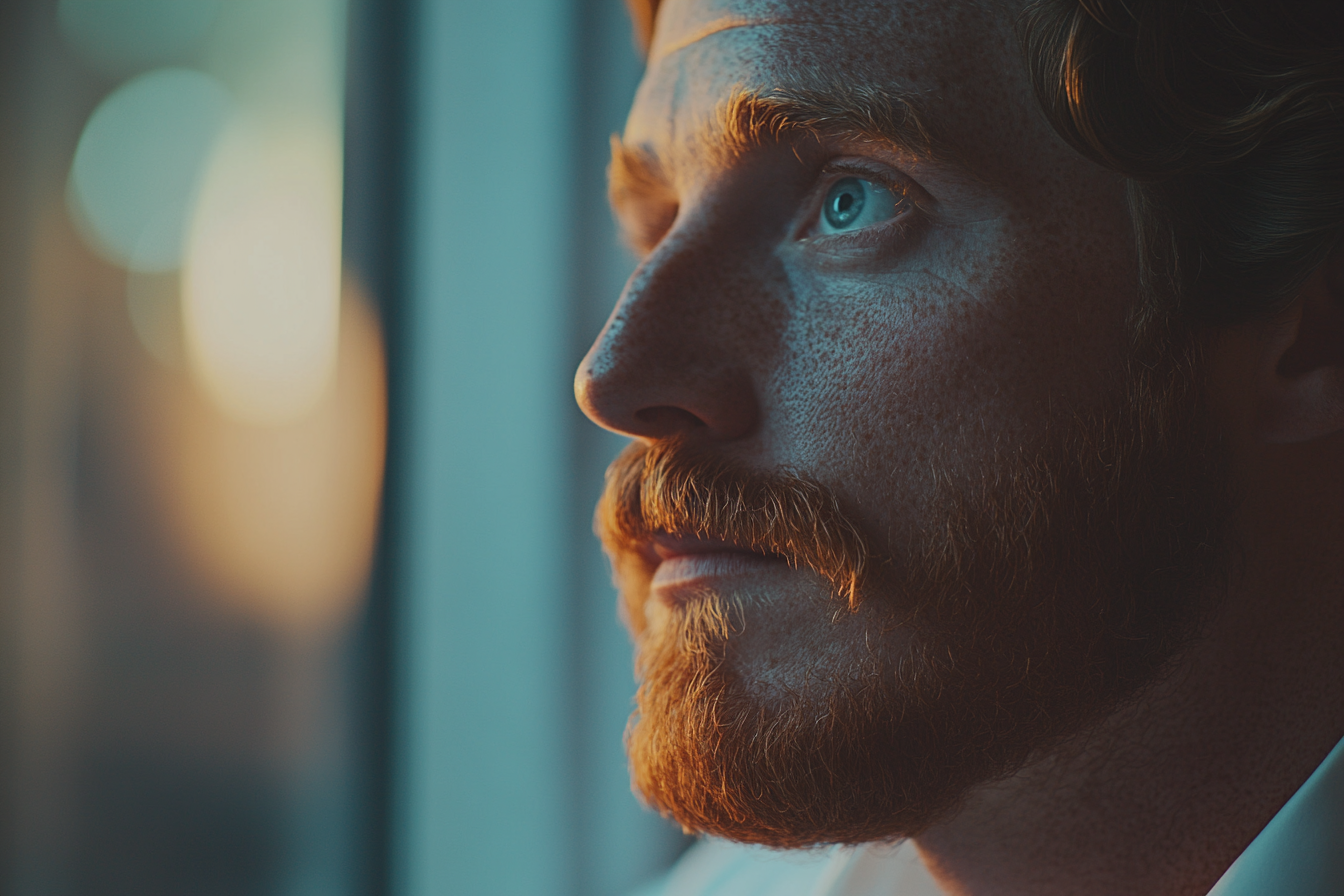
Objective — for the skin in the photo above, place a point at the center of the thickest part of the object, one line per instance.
(992, 309)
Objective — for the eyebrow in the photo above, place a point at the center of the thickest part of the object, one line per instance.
(750, 119)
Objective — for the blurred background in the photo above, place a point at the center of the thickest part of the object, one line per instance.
(298, 592)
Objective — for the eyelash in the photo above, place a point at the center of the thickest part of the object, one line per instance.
(872, 235)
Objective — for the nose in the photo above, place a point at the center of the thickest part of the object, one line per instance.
(676, 357)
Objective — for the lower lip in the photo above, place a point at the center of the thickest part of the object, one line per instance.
(680, 578)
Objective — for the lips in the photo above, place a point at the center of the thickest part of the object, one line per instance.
(687, 566)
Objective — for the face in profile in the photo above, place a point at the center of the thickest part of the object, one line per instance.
(918, 489)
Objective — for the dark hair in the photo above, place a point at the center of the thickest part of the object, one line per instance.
(1226, 116)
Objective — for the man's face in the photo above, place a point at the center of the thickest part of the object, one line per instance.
(916, 333)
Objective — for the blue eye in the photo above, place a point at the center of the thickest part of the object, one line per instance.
(853, 203)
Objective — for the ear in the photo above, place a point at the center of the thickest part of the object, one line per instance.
(1302, 396)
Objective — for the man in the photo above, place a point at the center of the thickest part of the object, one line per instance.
(985, 371)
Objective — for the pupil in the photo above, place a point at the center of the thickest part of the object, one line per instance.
(846, 202)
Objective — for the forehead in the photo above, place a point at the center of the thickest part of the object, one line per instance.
(959, 59)
(914, 23)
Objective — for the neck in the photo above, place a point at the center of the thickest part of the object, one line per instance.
(1163, 795)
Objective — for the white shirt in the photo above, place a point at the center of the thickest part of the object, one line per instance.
(1300, 852)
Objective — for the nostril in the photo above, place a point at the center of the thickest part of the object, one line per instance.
(666, 420)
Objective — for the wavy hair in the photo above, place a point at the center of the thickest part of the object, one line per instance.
(1227, 119)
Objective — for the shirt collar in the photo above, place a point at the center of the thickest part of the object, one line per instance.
(1299, 850)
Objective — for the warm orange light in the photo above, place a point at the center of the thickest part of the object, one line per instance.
(281, 518)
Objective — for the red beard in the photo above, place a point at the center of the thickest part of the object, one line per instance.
(1038, 595)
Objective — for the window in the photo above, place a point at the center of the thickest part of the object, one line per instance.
(252, 249)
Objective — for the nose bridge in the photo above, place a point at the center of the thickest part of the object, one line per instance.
(666, 320)
(684, 346)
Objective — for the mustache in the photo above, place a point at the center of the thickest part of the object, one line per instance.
(669, 488)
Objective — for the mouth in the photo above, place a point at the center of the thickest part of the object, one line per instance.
(686, 567)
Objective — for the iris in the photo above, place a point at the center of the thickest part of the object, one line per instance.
(853, 203)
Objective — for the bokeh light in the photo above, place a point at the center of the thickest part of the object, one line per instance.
(281, 518)
(261, 282)
(194, 523)
(138, 164)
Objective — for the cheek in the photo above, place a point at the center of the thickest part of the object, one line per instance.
(882, 382)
